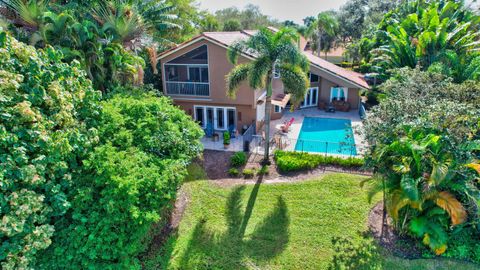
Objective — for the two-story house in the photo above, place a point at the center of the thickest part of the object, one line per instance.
(194, 77)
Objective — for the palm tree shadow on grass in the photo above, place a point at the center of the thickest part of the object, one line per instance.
(208, 249)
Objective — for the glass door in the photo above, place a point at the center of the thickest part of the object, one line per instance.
(311, 98)
(220, 118)
(199, 116)
(231, 119)
(210, 117)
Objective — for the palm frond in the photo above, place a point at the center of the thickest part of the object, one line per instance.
(295, 81)
(258, 75)
(454, 208)
(236, 76)
(236, 50)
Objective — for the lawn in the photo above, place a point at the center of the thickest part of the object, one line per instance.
(283, 226)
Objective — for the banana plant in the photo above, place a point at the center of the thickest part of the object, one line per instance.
(128, 21)
(423, 186)
(420, 34)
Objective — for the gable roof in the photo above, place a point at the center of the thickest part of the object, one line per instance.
(226, 39)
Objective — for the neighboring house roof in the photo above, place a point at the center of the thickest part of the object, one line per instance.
(226, 39)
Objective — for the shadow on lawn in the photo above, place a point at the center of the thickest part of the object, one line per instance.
(208, 249)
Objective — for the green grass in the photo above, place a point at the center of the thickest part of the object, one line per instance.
(285, 226)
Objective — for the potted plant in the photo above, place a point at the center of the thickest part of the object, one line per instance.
(226, 139)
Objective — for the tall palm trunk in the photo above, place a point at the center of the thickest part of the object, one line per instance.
(320, 33)
(268, 111)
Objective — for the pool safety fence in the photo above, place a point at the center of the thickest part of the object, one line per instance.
(308, 146)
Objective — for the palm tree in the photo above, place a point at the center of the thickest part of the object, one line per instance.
(326, 25)
(27, 14)
(273, 51)
(128, 21)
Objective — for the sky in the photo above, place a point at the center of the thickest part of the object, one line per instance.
(294, 10)
(283, 10)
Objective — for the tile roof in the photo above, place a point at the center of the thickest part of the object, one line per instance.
(350, 75)
(228, 38)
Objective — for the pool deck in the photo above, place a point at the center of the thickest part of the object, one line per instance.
(300, 115)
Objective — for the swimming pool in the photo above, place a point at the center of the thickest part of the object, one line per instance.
(326, 135)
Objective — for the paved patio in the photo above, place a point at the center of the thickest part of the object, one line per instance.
(236, 144)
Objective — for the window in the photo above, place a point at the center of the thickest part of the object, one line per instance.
(278, 109)
(199, 115)
(172, 73)
(220, 118)
(231, 117)
(339, 93)
(276, 71)
(198, 74)
(313, 77)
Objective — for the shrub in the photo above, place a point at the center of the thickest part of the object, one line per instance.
(46, 108)
(234, 172)
(297, 161)
(127, 183)
(226, 138)
(248, 173)
(263, 170)
(238, 159)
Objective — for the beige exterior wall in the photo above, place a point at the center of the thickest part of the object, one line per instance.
(219, 67)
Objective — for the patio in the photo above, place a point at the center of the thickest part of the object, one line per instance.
(236, 144)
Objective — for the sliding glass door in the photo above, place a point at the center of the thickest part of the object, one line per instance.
(221, 118)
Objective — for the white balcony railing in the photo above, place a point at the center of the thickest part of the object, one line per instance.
(188, 89)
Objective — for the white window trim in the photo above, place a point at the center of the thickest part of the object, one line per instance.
(215, 116)
(277, 109)
(200, 67)
(306, 95)
(345, 90)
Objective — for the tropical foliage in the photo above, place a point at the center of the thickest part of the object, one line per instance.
(82, 181)
(323, 32)
(431, 191)
(106, 43)
(46, 110)
(423, 33)
(127, 183)
(275, 51)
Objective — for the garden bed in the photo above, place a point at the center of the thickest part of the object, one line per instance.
(403, 247)
(217, 164)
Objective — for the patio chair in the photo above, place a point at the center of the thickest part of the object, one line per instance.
(330, 108)
(286, 126)
(231, 130)
(209, 130)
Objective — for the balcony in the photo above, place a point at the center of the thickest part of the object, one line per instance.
(188, 88)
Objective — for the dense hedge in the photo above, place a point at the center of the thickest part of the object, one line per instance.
(46, 108)
(147, 143)
(82, 180)
(298, 161)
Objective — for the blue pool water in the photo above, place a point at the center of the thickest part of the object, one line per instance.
(326, 135)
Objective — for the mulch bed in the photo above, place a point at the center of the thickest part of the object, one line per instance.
(217, 163)
(400, 246)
